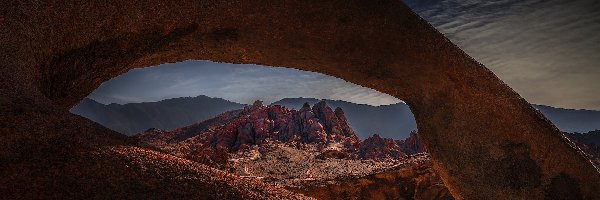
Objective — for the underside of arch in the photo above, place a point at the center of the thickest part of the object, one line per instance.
(487, 142)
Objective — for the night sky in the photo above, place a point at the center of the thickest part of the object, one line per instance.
(547, 50)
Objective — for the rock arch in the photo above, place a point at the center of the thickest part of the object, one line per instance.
(488, 142)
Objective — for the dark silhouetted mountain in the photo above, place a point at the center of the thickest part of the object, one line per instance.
(167, 114)
(571, 120)
(389, 121)
(397, 121)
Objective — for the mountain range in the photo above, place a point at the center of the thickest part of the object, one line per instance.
(167, 114)
(389, 121)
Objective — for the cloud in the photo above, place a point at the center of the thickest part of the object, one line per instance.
(546, 50)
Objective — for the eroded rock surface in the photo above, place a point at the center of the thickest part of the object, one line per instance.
(413, 180)
(259, 125)
(55, 53)
(256, 125)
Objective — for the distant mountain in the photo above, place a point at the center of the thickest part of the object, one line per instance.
(397, 121)
(571, 120)
(389, 121)
(167, 114)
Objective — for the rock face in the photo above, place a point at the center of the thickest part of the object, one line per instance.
(389, 121)
(590, 144)
(480, 132)
(413, 144)
(416, 181)
(258, 124)
(377, 148)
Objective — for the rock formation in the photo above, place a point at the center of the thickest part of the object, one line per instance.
(377, 148)
(257, 124)
(416, 181)
(480, 133)
(413, 144)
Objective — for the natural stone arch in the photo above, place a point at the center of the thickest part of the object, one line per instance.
(487, 142)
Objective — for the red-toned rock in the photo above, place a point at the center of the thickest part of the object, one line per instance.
(334, 122)
(413, 144)
(377, 148)
(256, 124)
(378, 44)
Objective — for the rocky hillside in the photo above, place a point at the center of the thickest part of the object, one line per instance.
(412, 180)
(378, 148)
(258, 124)
(312, 151)
(389, 121)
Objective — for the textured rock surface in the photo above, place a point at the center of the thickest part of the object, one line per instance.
(412, 181)
(261, 125)
(590, 144)
(413, 144)
(377, 148)
(256, 125)
(487, 141)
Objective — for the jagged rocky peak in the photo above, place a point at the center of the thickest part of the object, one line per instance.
(378, 148)
(258, 103)
(305, 107)
(413, 144)
(257, 124)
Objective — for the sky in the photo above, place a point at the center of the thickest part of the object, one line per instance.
(546, 50)
(234, 82)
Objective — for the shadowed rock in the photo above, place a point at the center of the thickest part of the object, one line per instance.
(55, 53)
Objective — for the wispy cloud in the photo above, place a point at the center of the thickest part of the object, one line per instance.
(548, 50)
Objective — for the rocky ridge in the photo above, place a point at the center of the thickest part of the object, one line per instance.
(309, 151)
(258, 124)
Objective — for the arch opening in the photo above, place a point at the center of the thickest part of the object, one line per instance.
(244, 84)
(255, 125)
